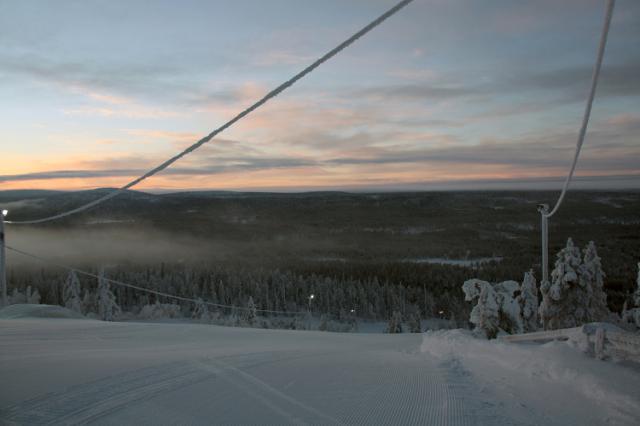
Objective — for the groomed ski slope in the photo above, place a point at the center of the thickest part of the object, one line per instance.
(77, 371)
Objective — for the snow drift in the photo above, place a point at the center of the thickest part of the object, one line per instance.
(583, 388)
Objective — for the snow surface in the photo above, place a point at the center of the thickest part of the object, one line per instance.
(37, 311)
(547, 384)
(80, 371)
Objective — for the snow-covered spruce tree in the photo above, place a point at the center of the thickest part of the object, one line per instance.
(484, 315)
(324, 323)
(636, 294)
(631, 317)
(575, 295)
(395, 323)
(108, 309)
(251, 312)
(528, 301)
(414, 323)
(561, 304)
(497, 308)
(201, 311)
(89, 303)
(71, 293)
(509, 308)
(413, 319)
(488, 314)
(591, 279)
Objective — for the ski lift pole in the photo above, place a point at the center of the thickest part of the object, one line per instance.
(544, 230)
(3, 263)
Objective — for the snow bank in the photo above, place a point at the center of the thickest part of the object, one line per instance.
(559, 370)
(37, 311)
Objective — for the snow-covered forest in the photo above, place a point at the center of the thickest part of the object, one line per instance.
(574, 296)
(335, 299)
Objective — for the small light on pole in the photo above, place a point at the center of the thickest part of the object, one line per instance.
(5, 212)
(311, 297)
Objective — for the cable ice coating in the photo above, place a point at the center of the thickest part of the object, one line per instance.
(587, 110)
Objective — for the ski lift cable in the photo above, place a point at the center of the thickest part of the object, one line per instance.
(144, 289)
(272, 94)
(587, 112)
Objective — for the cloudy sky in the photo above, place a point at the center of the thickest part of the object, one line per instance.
(447, 92)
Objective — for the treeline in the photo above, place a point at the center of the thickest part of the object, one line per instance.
(337, 296)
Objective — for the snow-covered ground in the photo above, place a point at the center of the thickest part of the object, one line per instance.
(78, 371)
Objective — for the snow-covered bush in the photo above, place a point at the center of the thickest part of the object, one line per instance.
(29, 296)
(201, 311)
(159, 310)
(575, 295)
(347, 325)
(71, 293)
(16, 297)
(32, 297)
(395, 323)
(502, 307)
(108, 309)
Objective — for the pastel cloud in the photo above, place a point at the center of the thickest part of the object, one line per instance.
(431, 96)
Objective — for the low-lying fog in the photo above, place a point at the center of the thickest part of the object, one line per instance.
(100, 247)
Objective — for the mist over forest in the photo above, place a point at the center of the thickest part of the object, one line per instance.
(426, 242)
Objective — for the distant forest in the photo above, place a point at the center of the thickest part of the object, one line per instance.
(369, 253)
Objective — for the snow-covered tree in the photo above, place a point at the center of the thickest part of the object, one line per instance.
(636, 294)
(591, 279)
(89, 303)
(108, 309)
(324, 323)
(251, 312)
(159, 310)
(510, 312)
(395, 323)
(485, 314)
(71, 293)
(528, 301)
(17, 297)
(632, 316)
(201, 311)
(575, 295)
(497, 307)
(413, 319)
(414, 323)
(559, 302)
(32, 297)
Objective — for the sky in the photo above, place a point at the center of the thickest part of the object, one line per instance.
(445, 94)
